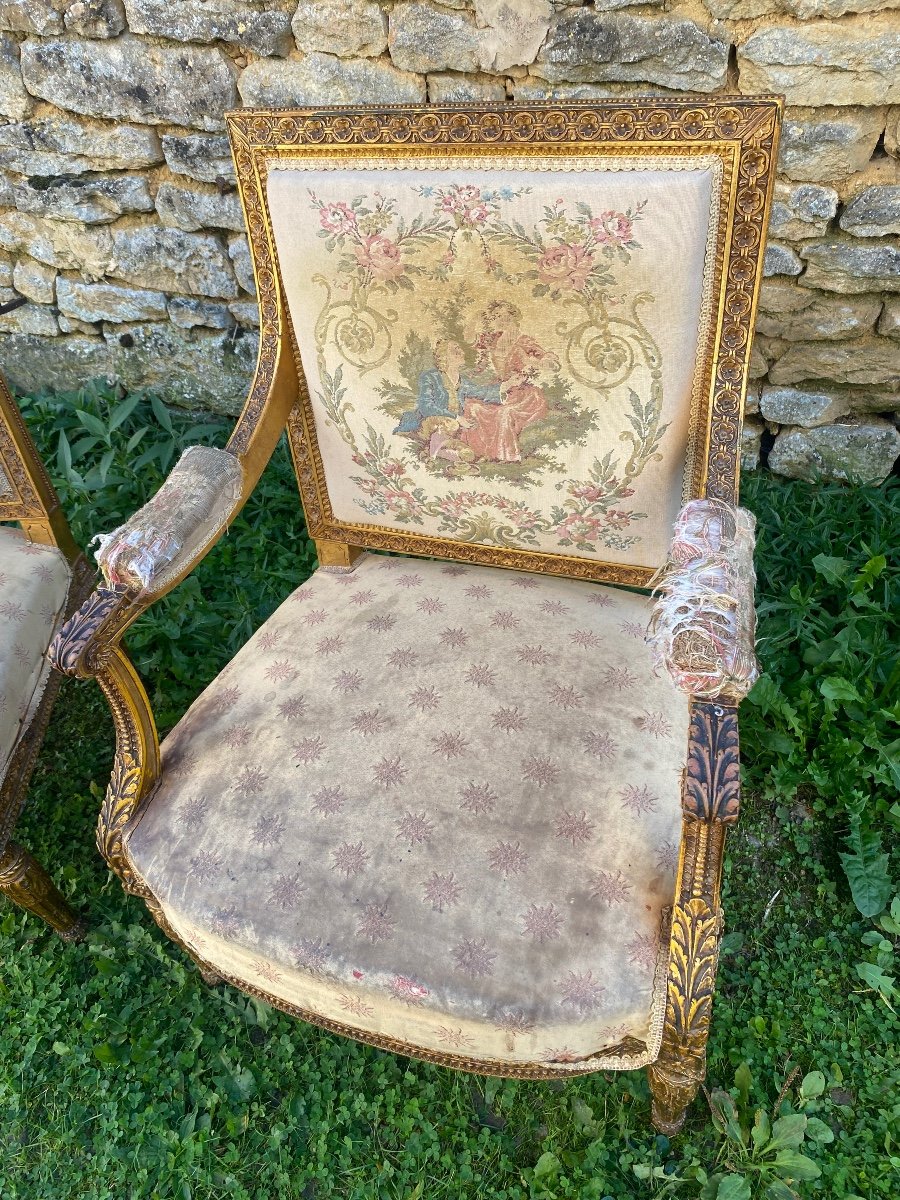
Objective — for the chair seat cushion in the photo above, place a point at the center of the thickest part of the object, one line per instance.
(438, 807)
(34, 583)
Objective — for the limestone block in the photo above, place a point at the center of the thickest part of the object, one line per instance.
(202, 156)
(874, 400)
(751, 434)
(15, 102)
(854, 61)
(852, 266)
(801, 210)
(62, 146)
(192, 208)
(873, 211)
(105, 302)
(62, 244)
(91, 200)
(857, 450)
(751, 400)
(239, 253)
(449, 88)
(30, 318)
(33, 363)
(325, 79)
(6, 271)
(133, 79)
(531, 88)
(71, 325)
(343, 27)
(889, 325)
(738, 10)
(171, 260)
(245, 312)
(828, 144)
(265, 31)
(892, 131)
(585, 45)
(186, 312)
(34, 280)
(797, 314)
(867, 360)
(33, 16)
(781, 260)
(422, 37)
(514, 31)
(794, 406)
(759, 363)
(95, 18)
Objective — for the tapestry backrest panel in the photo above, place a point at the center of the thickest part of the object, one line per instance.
(507, 355)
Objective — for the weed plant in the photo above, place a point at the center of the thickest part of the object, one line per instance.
(122, 1076)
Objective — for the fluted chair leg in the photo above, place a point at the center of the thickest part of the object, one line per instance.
(27, 884)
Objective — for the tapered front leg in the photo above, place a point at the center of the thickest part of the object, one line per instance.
(27, 884)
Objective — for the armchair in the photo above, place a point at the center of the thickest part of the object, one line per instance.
(445, 804)
(43, 579)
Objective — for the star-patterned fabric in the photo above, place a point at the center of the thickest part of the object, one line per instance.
(439, 804)
(34, 583)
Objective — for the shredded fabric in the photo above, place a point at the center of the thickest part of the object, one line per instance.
(703, 626)
(187, 512)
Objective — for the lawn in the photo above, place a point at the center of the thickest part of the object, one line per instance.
(122, 1075)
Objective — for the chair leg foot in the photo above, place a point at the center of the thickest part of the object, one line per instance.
(27, 884)
(673, 1087)
(209, 977)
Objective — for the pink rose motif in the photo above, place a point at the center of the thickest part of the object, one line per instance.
(337, 218)
(588, 491)
(616, 519)
(379, 255)
(612, 228)
(392, 467)
(566, 266)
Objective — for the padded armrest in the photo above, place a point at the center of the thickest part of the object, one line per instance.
(703, 626)
(195, 503)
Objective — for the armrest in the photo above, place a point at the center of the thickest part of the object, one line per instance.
(703, 625)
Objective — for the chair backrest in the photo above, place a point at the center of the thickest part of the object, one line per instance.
(522, 333)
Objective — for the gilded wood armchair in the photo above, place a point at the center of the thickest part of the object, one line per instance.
(447, 804)
(43, 580)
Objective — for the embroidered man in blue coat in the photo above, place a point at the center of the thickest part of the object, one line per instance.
(443, 390)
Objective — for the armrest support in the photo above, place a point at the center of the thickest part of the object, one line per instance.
(703, 625)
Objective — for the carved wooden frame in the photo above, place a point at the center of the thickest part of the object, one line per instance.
(89, 645)
(28, 498)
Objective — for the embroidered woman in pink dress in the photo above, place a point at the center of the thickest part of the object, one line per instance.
(514, 360)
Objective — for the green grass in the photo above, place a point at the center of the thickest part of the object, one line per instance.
(122, 1075)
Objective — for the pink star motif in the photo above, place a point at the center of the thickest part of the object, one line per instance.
(441, 891)
(478, 591)
(310, 954)
(555, 608)
(533, 656)
(376, 923)
(610, 1035)
(287, 892)
(237, 735)
(667, 858)
(403, 657)
(510, 720)
(527, 582)
(390, 772)
(643, 950)
(205, 865)
(42, 571)
(638, 800)
(382, 623)
(315, 616)
(454, 639)
(409, 581)
(453, 570)
(454, 1037)
(268, 639)
(425, 699)
(541, 771)
(565, 697)
(350, 859)
(430, 605)
(449, 745)
(356, 1006)
(22, 655)
(265, 970)
(280, 670)
(225, 700)
(361, 599)
(12, 611)
(586, 639)
(632, 629)
(407, 991)
(574, 827)
(369, 722)
(560, 1054)
(225, 922)
(268, 830)
(507, 859)
(251, 781)
(542, 922)
(192, 813)
(474, 957)
(582, 991)
(347, 682)
(303, 595)
(608, 887)
(656, 724)
(293, 707)
(330, 645)
(478, 798)
(619, 678)
(505, 619)
(327, 801)
(598, 743)
(481, 675)
(308, 750)
(601, 599)
(414, 828)
(514, 1022)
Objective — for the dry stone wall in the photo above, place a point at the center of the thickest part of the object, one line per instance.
(120, 225)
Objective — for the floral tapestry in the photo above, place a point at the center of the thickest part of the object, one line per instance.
(505, 357)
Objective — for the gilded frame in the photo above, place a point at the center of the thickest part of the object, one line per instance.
(741, 131)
